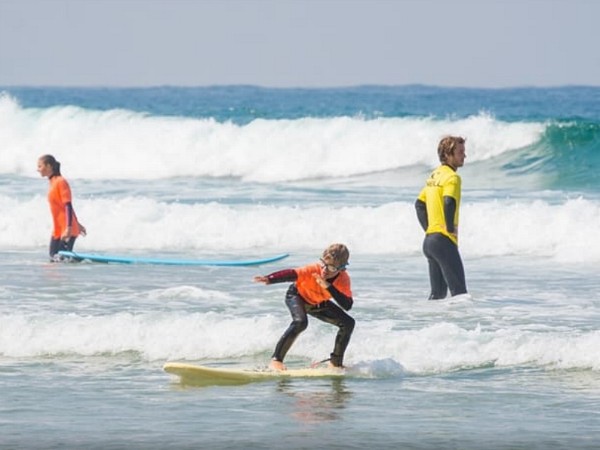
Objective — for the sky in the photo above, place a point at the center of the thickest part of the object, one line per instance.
(299, 43)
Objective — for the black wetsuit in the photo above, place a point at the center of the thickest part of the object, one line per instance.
(326, 311)
(57, 245)
(446, 268)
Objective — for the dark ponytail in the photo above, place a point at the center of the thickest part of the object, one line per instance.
(51, 160)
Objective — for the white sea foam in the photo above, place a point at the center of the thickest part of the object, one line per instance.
(564, 231)
(435, 348)
(444, 347)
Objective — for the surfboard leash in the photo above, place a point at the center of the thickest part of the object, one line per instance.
(317, 363)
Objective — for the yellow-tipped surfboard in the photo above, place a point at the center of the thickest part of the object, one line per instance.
(192, 374)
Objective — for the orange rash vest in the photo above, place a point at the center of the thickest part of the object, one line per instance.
(314, 294)
(59, 195)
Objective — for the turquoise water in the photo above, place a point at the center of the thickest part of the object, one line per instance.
(243, 172)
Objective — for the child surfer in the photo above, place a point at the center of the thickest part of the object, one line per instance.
(310, 293)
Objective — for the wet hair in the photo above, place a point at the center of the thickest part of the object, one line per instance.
(447, 145)
(338, 253)
(51, 160)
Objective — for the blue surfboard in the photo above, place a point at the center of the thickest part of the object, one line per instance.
(173, 262)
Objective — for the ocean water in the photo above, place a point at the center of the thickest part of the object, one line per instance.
(243, 172)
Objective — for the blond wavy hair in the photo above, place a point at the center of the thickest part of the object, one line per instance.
(447, 145)
(338, 253)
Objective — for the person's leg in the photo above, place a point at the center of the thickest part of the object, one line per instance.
(445, 254)
(331, 313)
(68, 244)
(55, 246)
(439, 288)
(296, 305)
(454, 271)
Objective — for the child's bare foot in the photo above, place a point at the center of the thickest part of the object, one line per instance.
(276, 365)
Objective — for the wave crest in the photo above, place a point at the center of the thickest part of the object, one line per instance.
(121, 144)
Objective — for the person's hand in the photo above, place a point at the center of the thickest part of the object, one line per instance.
(320, 280)
(82, 230)
(261, 279)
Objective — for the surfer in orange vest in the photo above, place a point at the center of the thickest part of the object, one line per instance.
(310, 293)
(66, 227)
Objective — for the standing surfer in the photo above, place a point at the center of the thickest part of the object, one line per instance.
(437, 211)
(66, 227)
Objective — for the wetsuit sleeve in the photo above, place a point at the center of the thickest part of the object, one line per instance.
(341, 299)
(449, 211)
(421, 208)
(282, 276)
(69, 213)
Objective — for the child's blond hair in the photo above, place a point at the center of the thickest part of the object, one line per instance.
(339, 254)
